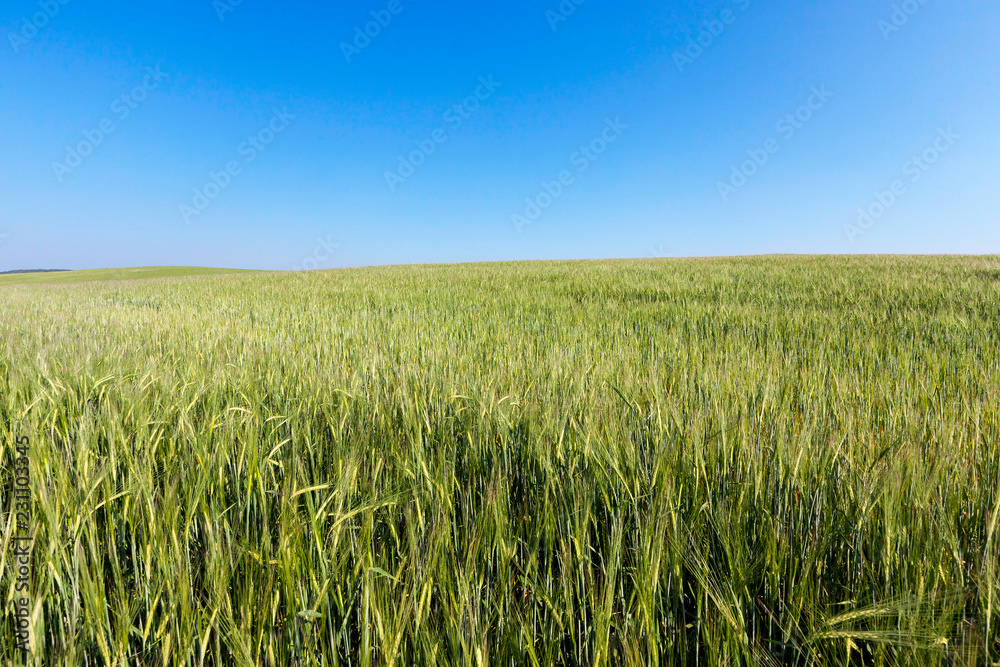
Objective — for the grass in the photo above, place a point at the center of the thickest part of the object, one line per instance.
(757, 461)
(96, 275)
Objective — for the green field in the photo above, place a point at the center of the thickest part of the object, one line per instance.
(95, 275)
(756, 461)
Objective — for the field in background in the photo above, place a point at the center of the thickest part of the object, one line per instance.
(96, 275)
(753, 461)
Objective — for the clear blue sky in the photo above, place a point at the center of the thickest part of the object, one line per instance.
(663, 121)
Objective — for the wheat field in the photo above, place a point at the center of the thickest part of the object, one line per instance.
(755, 461)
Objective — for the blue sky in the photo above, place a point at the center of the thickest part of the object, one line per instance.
(604, 129)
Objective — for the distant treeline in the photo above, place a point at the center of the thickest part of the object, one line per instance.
(4, 273)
